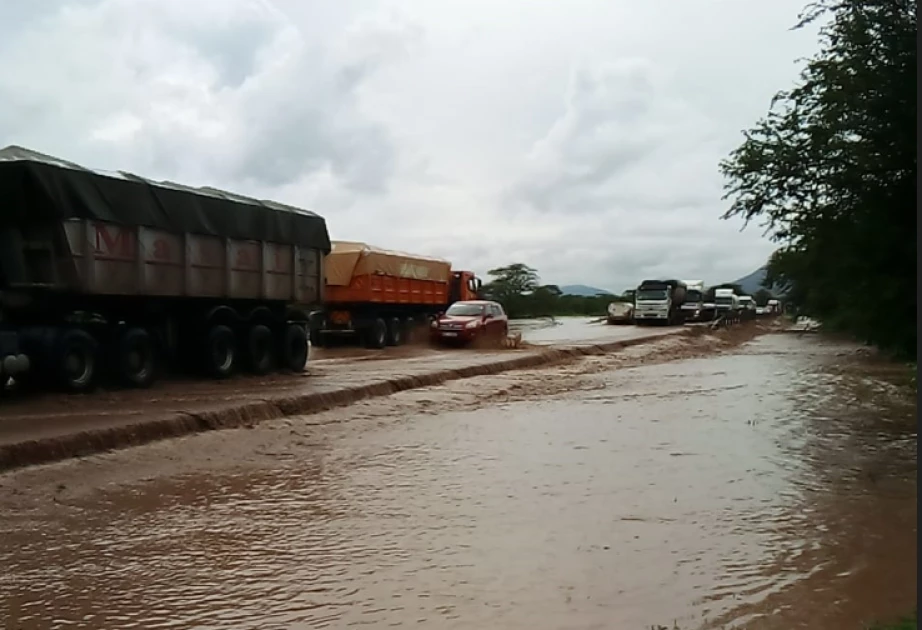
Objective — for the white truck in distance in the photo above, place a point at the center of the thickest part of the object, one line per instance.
(726, 301)
(621, 313)
(659, 301)
(693, 309)
(748, 305)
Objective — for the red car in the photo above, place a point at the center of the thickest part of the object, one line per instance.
(470, 321)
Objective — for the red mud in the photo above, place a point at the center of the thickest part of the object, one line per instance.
(130, 420)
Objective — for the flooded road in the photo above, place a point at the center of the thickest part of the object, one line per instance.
(769, 486)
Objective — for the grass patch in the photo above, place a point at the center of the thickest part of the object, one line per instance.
(906, 623)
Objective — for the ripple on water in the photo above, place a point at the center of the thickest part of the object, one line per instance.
(733, 489)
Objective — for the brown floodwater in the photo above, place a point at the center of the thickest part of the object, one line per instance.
(773, 486)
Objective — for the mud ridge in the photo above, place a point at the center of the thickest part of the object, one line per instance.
(230, 416)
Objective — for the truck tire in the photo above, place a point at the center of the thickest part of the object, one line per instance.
(136, 358)
(411, 330)
(220, 352)
(395, 332)
(260, 350)
(316, 337)
(376, 334)
(295, 352)
(76, 361)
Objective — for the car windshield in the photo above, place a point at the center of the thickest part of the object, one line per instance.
(465, 310)
(651, 294)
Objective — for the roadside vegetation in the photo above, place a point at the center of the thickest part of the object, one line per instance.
(518, 288)
(830, 173)
(907, 623)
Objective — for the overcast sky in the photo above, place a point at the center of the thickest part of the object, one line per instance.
(580, 137)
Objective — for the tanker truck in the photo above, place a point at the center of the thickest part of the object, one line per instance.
(659, 301)
(111, 274)
(383, 297)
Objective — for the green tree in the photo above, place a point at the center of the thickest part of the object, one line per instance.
(830, 173)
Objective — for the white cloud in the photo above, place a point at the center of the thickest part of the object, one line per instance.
(581, 138)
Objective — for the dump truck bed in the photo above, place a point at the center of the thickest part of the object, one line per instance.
(358, 273)
(71, 229)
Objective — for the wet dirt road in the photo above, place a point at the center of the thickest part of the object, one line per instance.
(50, 415)
(770, 486)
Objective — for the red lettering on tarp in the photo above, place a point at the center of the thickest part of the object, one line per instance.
(121, 244)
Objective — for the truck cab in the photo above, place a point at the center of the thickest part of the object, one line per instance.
(465, 286)
(726, 301)
(659, 301)
(693, 309)
(747, 305)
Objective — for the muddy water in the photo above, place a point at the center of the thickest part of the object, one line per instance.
(770, 487)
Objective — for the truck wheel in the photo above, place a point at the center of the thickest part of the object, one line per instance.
(76, 361)
(220, 354)
(411, 330)
(136, 358)
(395, 332)
(260, 355)
(294, 348)
(376, 334)
(316, 338)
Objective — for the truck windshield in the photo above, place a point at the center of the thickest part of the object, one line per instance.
(693, 295)
(725, 301)
(465, 310)
(651, 294)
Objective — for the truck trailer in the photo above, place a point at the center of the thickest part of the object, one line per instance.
(385, 297)
(113, 274)
(659, 301)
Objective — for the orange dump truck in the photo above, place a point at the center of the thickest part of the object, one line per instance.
(384, 297)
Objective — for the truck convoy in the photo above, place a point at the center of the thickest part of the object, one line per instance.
(659, 301)
(385, 297)
(113, 273)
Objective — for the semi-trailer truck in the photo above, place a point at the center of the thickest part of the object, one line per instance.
(747, 305)
(659, 301)
(693, 309)
(726, 301)
(385, 297)
(111, 273)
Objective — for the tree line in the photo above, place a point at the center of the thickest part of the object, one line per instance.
(518, 288)
(830, 173)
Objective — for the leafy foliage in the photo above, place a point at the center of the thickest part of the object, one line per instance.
(830, 172)
(906, 623)
(517, 287)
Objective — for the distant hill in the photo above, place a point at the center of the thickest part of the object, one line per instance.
(582, 290)
(753, 282)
